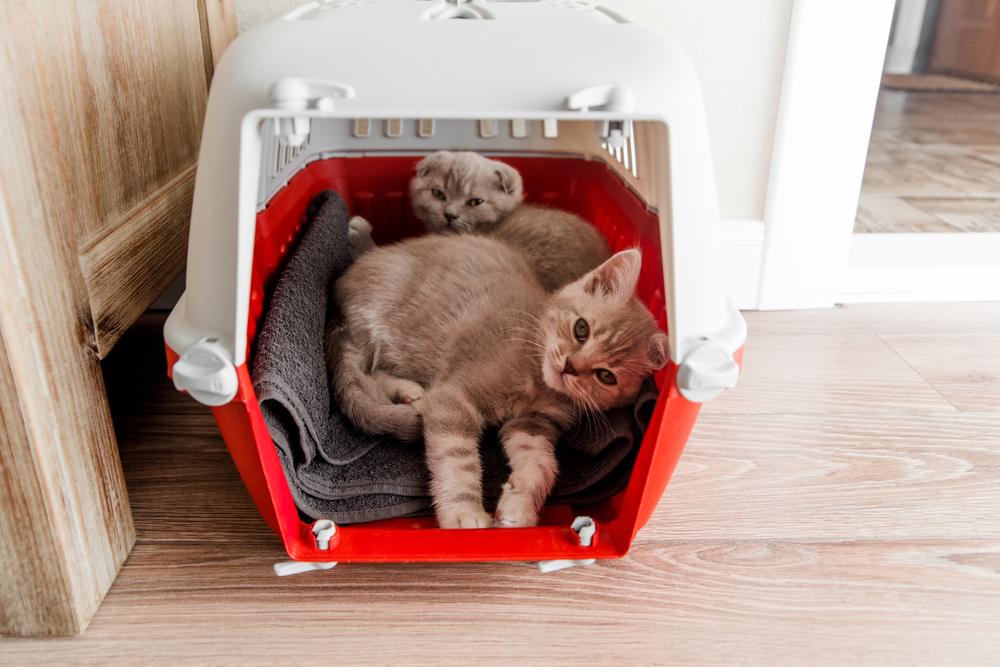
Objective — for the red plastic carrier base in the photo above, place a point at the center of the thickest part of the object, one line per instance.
(376, 188)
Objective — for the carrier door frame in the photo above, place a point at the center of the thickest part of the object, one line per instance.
(697, 309)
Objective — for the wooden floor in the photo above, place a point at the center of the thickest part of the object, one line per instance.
(841, 507)
(933, 164)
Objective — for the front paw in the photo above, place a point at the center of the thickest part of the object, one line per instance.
(468, 517)
(516, 509)
(359, 235)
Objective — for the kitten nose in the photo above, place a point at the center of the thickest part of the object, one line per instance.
(450, 217)
(569, 368)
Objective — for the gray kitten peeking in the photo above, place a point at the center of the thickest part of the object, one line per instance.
(466, 193)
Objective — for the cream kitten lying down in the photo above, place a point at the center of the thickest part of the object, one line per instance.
(446, 335)
(466, 193)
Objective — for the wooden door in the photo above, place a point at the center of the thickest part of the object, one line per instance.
(967, 39)
(101, 105)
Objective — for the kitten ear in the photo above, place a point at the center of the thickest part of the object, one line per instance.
(432, 162)
(508, 179)
(658, 348)
(616, 278)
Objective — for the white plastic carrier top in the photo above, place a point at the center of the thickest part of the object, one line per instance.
(535, 77)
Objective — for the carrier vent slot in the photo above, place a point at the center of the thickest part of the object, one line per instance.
(362, 127)
(283, 155)
(625, 156)
(394, 128)
(519, 128)
(487, 128)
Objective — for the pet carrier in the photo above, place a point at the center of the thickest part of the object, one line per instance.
(602, 116)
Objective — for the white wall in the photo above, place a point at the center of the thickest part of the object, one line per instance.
(738, 49)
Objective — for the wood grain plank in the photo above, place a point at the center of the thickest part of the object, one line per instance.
(668, 603)
(965, 368)
(839, 538)
(23, 549)
(128, 267)
(218, 28)
(932, 164)
(101, 104)
(836, 477)
(839, 373)
(926, 318)
(71, 498)
(141, 57)
(879, 212)
(880, 318)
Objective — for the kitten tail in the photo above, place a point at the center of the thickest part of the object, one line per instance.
(360, 399)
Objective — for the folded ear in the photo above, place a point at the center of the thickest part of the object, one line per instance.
(616, 278)
(432, 162)
(508, 179)
(659, 346)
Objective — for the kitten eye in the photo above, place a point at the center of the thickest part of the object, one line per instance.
(475, 201)
(606, 376)
(581, 330)
(438, 194)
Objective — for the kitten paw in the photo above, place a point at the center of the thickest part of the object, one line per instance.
(515, 509)
(409, 392)
(464, 518)
(398, 390)
(359, 235)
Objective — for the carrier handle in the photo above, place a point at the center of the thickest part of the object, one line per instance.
(205, 371)
(608, 96)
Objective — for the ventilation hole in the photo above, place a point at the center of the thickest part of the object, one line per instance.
(362, 127)
(487, 128)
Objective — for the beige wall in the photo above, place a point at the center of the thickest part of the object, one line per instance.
(738, 48)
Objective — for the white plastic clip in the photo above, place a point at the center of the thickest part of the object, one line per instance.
(607, 97)
(706, 372)
(585, 529)
(323, 530)
(290, 567)
(206, 372)
(295, 94)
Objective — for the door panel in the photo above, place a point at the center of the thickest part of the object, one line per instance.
(967, 39)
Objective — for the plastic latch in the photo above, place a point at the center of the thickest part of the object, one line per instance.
(585, 529)
(606, 96)
(324, 530)
(706, 372)
(614, 97)
(205, 371)
(297, 94)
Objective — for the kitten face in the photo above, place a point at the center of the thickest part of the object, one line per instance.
(599, 341)
(455, 193)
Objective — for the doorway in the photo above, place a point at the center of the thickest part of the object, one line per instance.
(928, 221)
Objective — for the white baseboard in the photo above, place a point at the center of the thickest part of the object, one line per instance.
(886, 268)
(743, 248)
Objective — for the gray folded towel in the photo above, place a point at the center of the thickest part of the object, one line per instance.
(337, 472)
